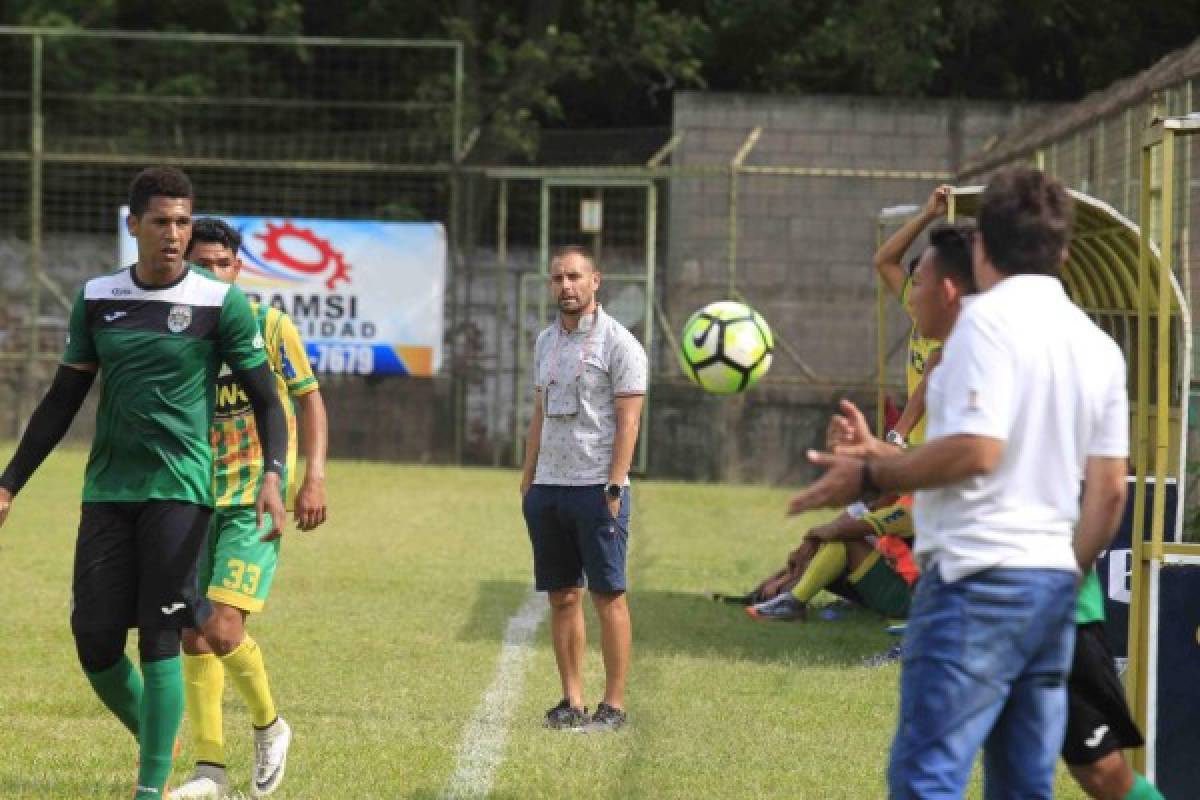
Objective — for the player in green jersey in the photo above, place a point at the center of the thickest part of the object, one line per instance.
(158, 332)
(1099, 723)
(238, 566)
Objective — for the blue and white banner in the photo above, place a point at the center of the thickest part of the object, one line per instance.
(366, 296)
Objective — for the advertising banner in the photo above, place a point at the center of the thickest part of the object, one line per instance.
(367, 297)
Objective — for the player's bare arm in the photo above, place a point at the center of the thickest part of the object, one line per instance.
(314, 442)
(46, 428)
(844, 528)
(629, 417)
(891, 253)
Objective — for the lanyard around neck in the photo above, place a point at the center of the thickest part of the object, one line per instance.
(582, 350)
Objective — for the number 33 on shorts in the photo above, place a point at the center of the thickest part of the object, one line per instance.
(238, 567)
(242, 577)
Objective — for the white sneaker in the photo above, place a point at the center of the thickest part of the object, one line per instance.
(207, 783)
(270, 756)
(783, 607)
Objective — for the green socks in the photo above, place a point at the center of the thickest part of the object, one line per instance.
(161, 713)
(120, 689)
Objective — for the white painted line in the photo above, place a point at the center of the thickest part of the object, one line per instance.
(482, 747)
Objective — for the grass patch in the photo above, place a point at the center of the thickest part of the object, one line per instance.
(383, 632)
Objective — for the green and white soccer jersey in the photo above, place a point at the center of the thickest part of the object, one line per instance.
(1090, 605)
(159, 350)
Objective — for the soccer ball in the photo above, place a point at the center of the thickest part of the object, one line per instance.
(726, 347)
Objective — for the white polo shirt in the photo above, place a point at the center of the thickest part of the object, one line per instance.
(1028, 367)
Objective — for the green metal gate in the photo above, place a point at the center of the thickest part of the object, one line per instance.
(622, 235)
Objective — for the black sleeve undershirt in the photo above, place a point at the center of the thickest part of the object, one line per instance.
(259, 385)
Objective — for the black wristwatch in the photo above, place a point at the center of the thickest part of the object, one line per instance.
(613, 491)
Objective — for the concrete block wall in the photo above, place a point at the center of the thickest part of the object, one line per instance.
(804, 253)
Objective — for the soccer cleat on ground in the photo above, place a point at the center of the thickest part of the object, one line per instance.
(606, 718)
(270, 756)
(208, 782)
(883, 659)
(784, 608)
(564, 715)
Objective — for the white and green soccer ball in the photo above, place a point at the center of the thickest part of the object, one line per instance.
(726, 347)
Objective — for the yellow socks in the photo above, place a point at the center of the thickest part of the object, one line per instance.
(824, 569)
(204, 686)
(249, 674)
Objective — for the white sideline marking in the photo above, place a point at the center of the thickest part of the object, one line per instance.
(482, 747)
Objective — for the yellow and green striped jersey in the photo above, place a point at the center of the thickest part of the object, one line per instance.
(920, 349)
(237, 452)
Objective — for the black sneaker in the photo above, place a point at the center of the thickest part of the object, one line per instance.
(606, 718)
(564, 715)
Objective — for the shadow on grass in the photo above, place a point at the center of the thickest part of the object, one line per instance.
(678, 623)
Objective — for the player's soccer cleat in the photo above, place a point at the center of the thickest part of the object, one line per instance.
(783, 608)
(888, 656)
(270, 756)
(606, 718)
(208, 782)
(564, 715)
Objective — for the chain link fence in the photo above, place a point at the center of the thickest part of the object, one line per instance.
(306, 127)
(781, 210)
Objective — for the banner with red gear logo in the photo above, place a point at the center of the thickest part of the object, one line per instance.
(366, 296)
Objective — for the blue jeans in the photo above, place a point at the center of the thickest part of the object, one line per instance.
(985, 664)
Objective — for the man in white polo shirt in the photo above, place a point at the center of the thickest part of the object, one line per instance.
(1028, 402)
(590, 378)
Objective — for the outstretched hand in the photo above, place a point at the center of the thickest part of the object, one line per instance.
(851, 434)
(841, 483)
(6, 499)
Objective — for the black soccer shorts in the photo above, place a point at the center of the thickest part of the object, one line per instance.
(135, 565)
(1098, 718)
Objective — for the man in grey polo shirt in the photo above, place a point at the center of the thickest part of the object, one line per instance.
(589, 382)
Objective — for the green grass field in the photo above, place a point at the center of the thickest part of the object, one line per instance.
(385, 628)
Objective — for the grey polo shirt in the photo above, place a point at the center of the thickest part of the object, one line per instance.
(590, 366)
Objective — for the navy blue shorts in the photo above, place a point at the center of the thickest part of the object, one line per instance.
(574, 535)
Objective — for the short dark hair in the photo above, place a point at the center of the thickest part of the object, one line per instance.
(210, 230)
(912, 264)
(573, 250)
(157, 182)
(1025, 219)
(951, 245)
